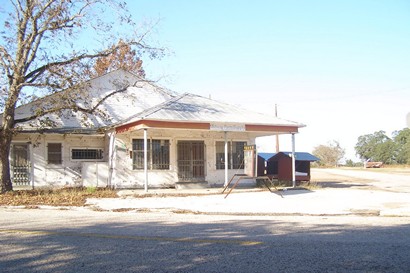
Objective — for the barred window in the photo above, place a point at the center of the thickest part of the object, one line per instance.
(158, 154)
(235, 154)
(87, 154)
(54, 153)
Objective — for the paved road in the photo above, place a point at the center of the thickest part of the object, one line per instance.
(88, 241)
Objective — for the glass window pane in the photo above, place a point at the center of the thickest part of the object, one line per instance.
(235, 154)
(238, 155)
(158, 154)
(87, 154)
(54, 154)
(220, 155)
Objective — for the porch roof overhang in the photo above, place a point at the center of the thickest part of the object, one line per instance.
(192, 112)
(267, 129)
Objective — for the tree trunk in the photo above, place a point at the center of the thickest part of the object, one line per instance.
(6, 135)
(5, 144)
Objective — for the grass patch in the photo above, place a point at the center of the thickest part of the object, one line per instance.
(307, 185)
(53, 197)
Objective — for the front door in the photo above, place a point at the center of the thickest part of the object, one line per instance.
(20, 164)
(191, 161)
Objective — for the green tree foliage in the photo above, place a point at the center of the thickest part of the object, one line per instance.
(402, 141)
(367, 146)
(351, 163)
(379, 147)
(329, 154)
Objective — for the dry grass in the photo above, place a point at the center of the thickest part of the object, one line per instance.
(55, 197)
(66, 197)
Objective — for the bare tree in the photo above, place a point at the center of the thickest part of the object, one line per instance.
(47, 46)
(329, 154)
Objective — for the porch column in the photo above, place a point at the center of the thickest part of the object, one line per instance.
(111, 158)
(226, 158)
(145, 161)
(293, 162)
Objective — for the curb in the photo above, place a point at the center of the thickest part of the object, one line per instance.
(96, 208)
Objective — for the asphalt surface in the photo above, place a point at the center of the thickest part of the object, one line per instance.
(348, 225)
(88, 241)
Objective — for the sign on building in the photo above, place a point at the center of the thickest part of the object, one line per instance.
(250, 160)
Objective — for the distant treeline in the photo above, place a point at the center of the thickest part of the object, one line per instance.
(379, 147)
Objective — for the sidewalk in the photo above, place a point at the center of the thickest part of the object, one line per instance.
(328, 201)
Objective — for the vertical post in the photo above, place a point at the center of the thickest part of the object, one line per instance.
(277, 135)
(30, 158)
(255, 158)
(226, 159)
(145, 161)
(293, 162)
(111, 158)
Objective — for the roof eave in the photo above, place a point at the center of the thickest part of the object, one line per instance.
(206, 125)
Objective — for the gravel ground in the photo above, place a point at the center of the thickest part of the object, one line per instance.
(388, 180)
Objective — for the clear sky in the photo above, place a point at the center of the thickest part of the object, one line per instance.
(340, 67)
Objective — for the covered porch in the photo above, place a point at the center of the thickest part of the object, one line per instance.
(182, 154)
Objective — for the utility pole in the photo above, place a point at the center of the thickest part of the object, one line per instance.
(277, 135)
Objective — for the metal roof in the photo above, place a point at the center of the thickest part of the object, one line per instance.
(138, 97)
(195, 108)
(300, 156)
(142, 100)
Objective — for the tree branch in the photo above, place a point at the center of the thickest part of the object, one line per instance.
(33, 75)
(75, 108)
(4, 55)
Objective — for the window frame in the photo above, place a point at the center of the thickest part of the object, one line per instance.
(54, 153)
(232, 163)
(98, 150)
(160, 161)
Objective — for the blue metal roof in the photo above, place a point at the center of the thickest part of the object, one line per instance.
(300, 156)
(266, 156)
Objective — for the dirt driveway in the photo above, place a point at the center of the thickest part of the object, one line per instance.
(386, 179)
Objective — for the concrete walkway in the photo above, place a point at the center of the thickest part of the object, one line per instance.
(328, 201)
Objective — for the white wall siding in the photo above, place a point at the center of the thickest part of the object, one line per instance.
(67, 174)
(95, 174)
(91, 173)
(126, 177)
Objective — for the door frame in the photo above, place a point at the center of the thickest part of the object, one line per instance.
(195, 166)
(29, 173)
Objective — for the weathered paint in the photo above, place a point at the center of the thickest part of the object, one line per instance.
(96, 173)
(128, 178)
(69, 173)
(140, 124)
(271, 128)
(161, 124)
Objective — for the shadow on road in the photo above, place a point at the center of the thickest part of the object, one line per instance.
(221, 246)
(341, 185)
